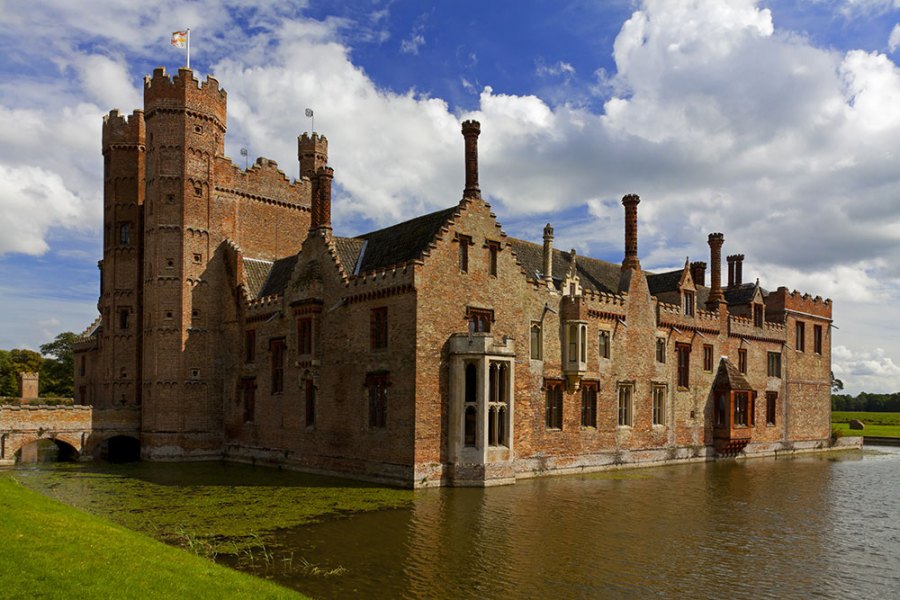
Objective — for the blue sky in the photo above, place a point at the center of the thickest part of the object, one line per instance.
(777, 123)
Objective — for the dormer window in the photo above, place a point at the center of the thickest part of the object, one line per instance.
(687, 304)
(758, 315)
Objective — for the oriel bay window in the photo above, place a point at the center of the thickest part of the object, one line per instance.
(377, 385)
(741, 409)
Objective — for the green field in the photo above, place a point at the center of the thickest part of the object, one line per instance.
(53, 550)
(878, 424)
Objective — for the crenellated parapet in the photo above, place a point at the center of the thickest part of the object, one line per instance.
(123, 131)
(185, 92)
(739, 326)
(262, 182)
(781, 301)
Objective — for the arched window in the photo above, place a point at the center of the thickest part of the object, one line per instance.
(470, 426)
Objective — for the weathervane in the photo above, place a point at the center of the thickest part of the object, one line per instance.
(244, 153)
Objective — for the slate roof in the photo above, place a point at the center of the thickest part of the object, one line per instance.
(597, 275)
(255, 274)
(728, 376)
(664, 282)
(740, 295)
(279, 276)
(348, 252)
(402, 242)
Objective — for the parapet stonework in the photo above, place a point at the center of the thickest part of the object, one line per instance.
(28, 386)
(437, 351)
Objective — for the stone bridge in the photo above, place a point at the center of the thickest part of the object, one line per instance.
(81, 431)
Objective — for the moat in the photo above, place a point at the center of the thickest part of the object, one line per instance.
(814, 526)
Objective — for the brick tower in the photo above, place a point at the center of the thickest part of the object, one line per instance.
(120, 303)
(182, 402)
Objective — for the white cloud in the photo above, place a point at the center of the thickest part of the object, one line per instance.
(560, 68)
(412, 44)
(866, 370)
(894, 39)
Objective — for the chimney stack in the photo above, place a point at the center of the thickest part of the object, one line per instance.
(321, 201)
(548, 254)
(730, 260)
(630, 203)
(698, 272)
(716, 296)
(738, 269)
(470, 131)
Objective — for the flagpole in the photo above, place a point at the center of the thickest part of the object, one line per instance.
(188, 49)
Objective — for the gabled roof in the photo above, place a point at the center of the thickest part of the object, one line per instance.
(594, 274)
(279, 276)
(664, 282)
(399, 243)
(267, 278)
(256, 272)
(728, 376)
(348, 250)
(739, 295)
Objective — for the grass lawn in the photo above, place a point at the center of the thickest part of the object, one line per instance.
(53, 550)
(878, 424)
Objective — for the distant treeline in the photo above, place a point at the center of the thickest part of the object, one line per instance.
(866, 402)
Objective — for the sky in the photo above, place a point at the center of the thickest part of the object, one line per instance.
(774, 122)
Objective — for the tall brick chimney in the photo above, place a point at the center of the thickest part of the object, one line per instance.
(698, 272)
(630, 203)
(321, 201)
(715, 258)
(730, 260)
(470, 131)
(548, 254)
(738, 269)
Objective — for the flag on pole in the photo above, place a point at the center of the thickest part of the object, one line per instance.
(309, 112)
(179, 39)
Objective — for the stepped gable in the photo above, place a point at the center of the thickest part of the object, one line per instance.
(399, 243)
(279, 276)
(664, 282)
(595, 275)
(348, 250)
(730, 376)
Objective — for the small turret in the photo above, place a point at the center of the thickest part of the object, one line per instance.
(182, 91)
(312, 152)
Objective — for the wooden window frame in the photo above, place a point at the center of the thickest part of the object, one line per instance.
(537, 340)
(658, 404)
(661, 350)
(708, 361)
(464, 242)
(378, 328)
(493, 257)
(683, 352)
(625, 404)
(817, 339)
(305, 329)
(688, 303)
(479, 319)
(773, 364)
(590, 390)
(742, 360)
(277, 350)
(377, 385)
(800, 336)
(771, 409)
(604, 342)
(553, 404)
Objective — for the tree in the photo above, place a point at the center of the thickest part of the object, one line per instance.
(14, 362)
(58, 372)
(836, 384)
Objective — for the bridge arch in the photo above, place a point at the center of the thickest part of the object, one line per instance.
(116, 448)
(39, 448)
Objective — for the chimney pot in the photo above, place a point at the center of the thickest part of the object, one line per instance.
(698, 272)
(548, 254)
(716, 296)
(321, 201)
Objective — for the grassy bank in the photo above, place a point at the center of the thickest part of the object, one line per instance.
(53, 550)
(878, 424)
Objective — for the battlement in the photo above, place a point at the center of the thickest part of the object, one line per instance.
(782, 300)
(184, 91)
(312, 152)
(121, 129)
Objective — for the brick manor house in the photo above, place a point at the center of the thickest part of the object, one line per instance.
(437, 351)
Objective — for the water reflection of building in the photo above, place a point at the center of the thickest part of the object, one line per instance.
(436, 351)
